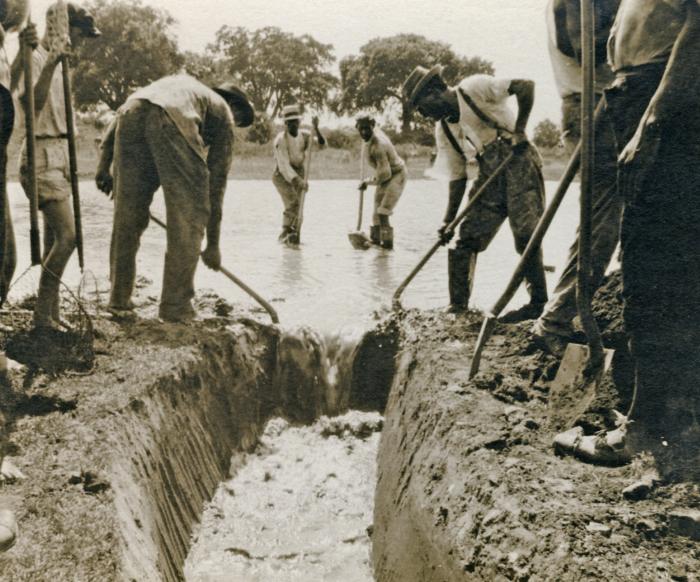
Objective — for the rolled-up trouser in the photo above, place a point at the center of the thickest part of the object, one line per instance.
(290, 195)
(517, 194)
(151, 152)
(387, 195)
(659, 235)
(52, 170)
(605, 221)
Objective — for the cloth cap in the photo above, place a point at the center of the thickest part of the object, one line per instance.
(13, 13)
(291, 112)
(80, 18)
(238, 100)
(417, 81)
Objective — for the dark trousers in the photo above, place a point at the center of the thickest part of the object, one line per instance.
(660, 239)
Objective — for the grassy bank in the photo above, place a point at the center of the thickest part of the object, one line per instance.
(254, 161)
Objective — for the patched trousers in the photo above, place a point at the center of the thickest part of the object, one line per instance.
(518, 195)
(387, 195)
(150, 152)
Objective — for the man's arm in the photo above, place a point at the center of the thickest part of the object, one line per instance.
(219, 163)
(524, 91)
(319, 136)
(103, 176)
(679, 87)
(382, 172)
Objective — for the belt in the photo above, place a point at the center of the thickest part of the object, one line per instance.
(62, 136)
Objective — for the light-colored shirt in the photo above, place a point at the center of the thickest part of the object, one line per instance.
(51, 120)
(491, 96)
(566, 69)
(381, 155)
(192, 106)
(645, 31)
(290, 153)
(5, 70)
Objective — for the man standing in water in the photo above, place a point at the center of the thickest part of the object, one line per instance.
(390, 178)
(291, 149)
(176, 133)
(53, 172)
(554, 327)
(474, 116)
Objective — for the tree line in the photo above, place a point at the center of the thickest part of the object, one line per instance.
(274, 67)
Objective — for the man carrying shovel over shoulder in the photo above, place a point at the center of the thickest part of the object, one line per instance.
(53, 172)
(176, 133)
(474, 116)
(390, 178)
(291, 150)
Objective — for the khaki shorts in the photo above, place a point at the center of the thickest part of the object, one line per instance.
(52, 170)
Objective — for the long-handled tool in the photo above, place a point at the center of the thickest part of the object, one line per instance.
(449, 229)
(299, 219)
(532, 247)
(582, 367)
(29, 118)
(264, 304)
(358, 239)
(73, 159)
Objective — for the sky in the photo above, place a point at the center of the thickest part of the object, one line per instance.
(510, 33)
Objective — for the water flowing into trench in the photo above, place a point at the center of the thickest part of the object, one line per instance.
(299, 507)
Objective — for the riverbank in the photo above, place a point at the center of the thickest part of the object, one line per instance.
(254, 161)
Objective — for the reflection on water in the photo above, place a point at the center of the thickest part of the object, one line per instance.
(325, 283)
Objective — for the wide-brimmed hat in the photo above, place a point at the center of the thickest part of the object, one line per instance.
(244, 112)
(291, 112)
(417, 81)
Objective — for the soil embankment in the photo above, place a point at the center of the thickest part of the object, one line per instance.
(469, 487)
(121, 460)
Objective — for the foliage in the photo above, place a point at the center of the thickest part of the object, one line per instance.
(204, 67)
(261, 130)
(547, 134)
(344, 138)
(136, 48)
(373, 79)
(276, 67)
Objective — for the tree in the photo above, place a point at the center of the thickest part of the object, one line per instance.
(373, 79)
(204, 67)
(276, 67)
(136, 48)
(547, 134)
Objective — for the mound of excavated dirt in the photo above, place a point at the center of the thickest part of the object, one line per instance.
(469, 487)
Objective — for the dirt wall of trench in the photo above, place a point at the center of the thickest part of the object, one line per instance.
(469, 488)
(121, 460)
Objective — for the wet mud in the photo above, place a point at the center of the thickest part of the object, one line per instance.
(469, 487)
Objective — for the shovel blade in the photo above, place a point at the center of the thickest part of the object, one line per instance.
(359, 240)
(572, 392)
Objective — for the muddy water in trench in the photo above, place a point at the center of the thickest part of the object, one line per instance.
(298, 509)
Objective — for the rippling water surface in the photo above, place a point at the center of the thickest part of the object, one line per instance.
(326, 283)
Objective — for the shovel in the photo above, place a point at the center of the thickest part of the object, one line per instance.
(583, 367)
(231, 277)
(358, 239)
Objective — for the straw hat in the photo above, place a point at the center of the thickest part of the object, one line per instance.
(291, 112)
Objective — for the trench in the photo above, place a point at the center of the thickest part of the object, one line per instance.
(261, 417)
